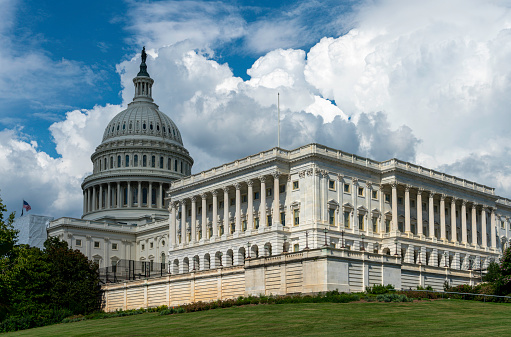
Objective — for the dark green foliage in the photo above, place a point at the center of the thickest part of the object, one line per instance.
(493, 272)
(393, 298)
(377, 289)
(41, 287)
(8, 236)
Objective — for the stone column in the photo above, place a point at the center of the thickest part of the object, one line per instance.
(128, 203)
(419, 212)
(493, 232)
(183, 221)
(250, 207)
(431, 219)
(407, 209)
(150, 195)
(172, 225)
(109, 197)
(100, 201)
(394, 207)
(262, 207)
(139, 194)
(454, 234)
(464, 221)
(159, 196)
(84, 201)
(204, 220)
(484, 236)
(118, 195)
(443, 235)
(93, 198)
(276, 199)
(474, 225)
(226, 209)
(237, 186)
(193, 221)
(214, 222)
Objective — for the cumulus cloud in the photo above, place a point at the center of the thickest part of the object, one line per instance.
(420, 81)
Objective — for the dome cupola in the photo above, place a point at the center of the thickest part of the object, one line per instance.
(141, 153)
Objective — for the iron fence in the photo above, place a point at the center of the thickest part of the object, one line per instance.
(126, 270)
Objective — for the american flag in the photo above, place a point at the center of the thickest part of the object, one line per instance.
(26, 206)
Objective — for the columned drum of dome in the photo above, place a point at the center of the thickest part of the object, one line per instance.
(141, 153)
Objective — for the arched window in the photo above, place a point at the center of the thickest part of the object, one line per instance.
(127, 161)
(118, 161)
(143, 126)
(124, 126)
(181, 167)
(175, 165)
(161, 162)
(153, 161)
(111, 162)
(151, 126)
(131, 126)
(135, 160)
(118, 125)
(144, 161)
(157, 127)
(162, 257)
(104, 164)
(169, 163)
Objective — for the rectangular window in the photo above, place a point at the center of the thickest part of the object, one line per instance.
(296, 217)
(331, 217)
(347, 219)
(210, 207)
(346, 188)
(360, 191)
(361, 222)
(256, 223)
(222, 230)
(296, 185)
(387, 197)
(331, 184)
(244, 225)
(78, 242)
(283, 218)
(412, 203)
(282, 188)
(387, 225)
(374, 195)
(399, 200)
(114, 246)
(268, 220)
(296, 247)
(161, 162)
(244, 198)
(375, 224)
(435, 208)
(199, 210)
(153, 161)
(256, 195)
(151, 245)
(127, 161)
(268, 192)
(143, 246)
(96, 244)
(502, 224)
(232, 228)
(233, 202)
(400, 226)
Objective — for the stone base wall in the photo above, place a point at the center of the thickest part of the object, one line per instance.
(303, 272)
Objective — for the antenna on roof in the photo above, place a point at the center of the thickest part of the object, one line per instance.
(278, 123)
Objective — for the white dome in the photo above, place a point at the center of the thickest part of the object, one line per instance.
(142, 119)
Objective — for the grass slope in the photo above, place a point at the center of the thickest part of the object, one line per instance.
(432, 318)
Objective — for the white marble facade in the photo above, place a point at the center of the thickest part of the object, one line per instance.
(280, 200)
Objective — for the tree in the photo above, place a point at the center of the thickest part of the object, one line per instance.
(8, 235)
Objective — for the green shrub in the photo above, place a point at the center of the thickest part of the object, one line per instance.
(377, 289)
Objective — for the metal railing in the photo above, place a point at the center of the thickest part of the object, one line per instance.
(127, 270)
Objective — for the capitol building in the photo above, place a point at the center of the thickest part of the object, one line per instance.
(276, 222)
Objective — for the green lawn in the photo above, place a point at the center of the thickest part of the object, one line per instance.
(432, 318)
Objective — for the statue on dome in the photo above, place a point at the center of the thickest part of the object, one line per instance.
(144, 55)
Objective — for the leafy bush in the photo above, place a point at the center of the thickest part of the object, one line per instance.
(377, 289)
(393, 298)
(33, 319)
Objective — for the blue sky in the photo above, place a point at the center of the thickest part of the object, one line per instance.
(425, 82)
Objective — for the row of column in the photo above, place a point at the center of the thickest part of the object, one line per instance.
(181, 205)
(110, 195)
(443, 229)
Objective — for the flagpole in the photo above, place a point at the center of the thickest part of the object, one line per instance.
(278, 123)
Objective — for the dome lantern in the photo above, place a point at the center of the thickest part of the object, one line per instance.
(143, 82)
